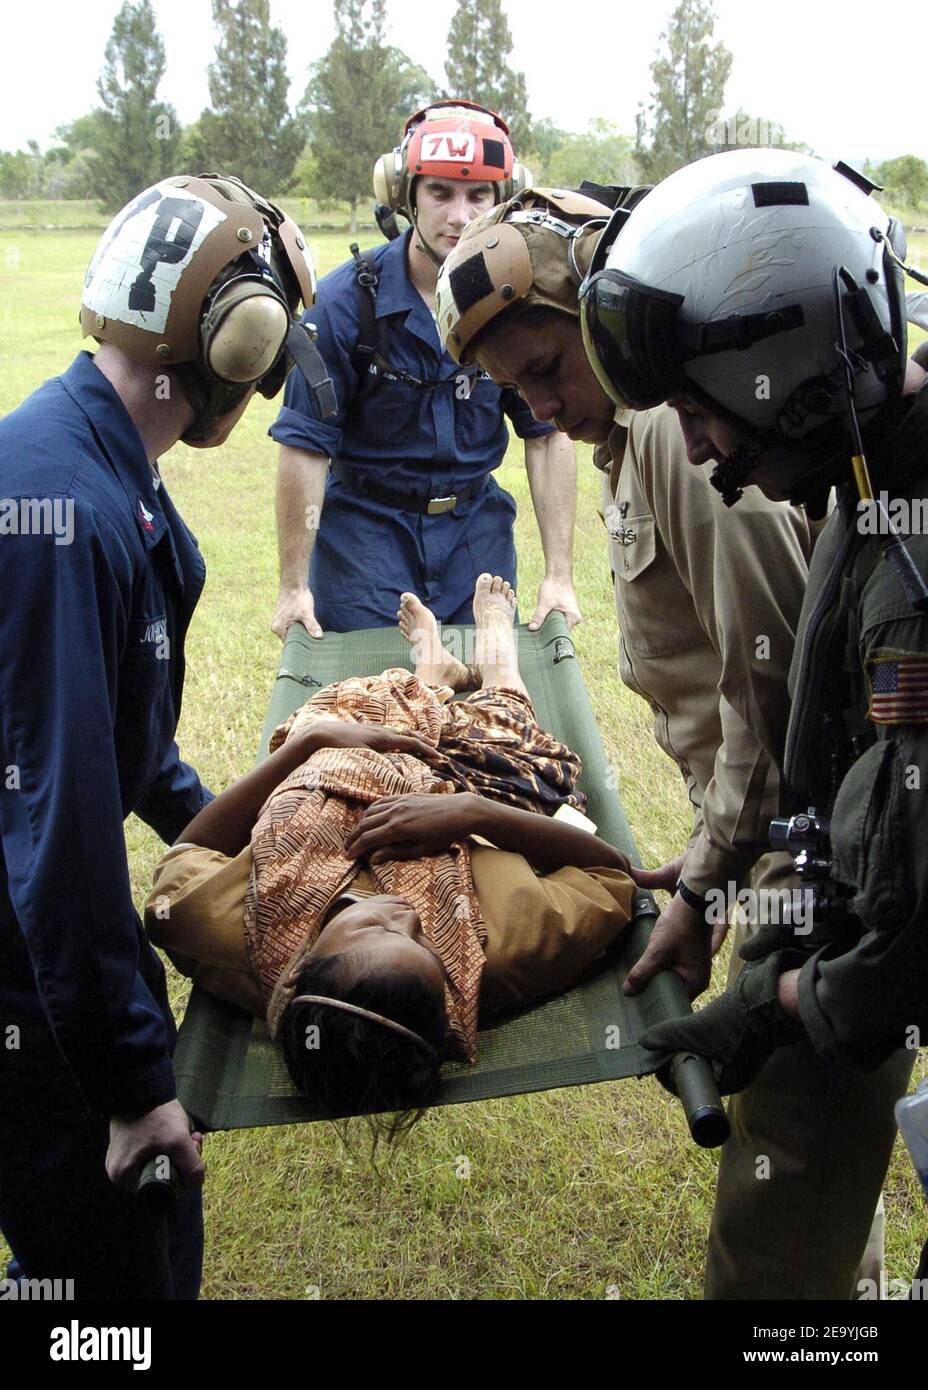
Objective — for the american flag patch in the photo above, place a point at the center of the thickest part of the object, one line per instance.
(899, 691)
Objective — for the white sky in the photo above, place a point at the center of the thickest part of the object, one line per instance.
(833, 72)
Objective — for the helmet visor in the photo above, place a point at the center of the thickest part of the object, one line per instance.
(629, 335)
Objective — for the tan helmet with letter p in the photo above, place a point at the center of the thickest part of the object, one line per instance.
(451, 139)
(533, 249)
(205, 277)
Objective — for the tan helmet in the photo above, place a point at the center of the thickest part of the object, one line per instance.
(205, 277)
(534, 249)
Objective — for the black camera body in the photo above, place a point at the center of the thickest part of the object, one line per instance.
(807, 838)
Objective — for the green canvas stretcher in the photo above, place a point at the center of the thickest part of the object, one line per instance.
(230, 1075)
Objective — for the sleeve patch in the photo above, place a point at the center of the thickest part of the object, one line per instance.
(898, 690)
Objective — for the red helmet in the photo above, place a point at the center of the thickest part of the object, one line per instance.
(449, 140)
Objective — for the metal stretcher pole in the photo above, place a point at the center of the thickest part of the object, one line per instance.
(159, 1186)
(687, 1075)
(692, 1079)
(695, 1085)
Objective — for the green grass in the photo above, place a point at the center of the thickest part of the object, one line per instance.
(86, 212)
(570, 1192)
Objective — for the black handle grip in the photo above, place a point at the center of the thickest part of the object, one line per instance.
(694, 1083)
(690, 1077)
(159, 1185)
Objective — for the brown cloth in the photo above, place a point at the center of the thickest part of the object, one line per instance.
(300, 866)
(543, 930)
(488, 743)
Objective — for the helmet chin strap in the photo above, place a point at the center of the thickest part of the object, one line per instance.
(210, 400)
(423, 244)
(810, 490)
(809, 399)
(731, 473)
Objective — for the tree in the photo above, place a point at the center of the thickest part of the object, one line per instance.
(55, 174)
(17, 175)
(134, 136)
(602, 155)
(356, 103)
(905, 179)
(688, 95)
(546, 138)
(478, 66)
(248, 129)
(70, 161)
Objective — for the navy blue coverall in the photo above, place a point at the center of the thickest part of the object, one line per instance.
(99, 577)
(423, 443)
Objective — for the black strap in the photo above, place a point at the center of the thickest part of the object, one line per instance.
(308, 359)
(615, 195)
(371, 348)
(371, 334)
(738, 331)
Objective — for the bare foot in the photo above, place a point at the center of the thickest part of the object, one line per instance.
(433, 663)
(494, 614)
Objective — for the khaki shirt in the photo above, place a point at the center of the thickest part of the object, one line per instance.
(708, 600)
(542, 930)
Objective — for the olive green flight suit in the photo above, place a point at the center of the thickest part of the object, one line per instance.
(860, 756)
(695, 584)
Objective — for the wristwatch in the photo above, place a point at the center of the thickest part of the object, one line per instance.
(693, 900)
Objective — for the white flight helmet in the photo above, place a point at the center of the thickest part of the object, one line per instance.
(205, 277)
(723, 284)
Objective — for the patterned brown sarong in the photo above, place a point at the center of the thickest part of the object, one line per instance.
(491, 744)
(488, 744)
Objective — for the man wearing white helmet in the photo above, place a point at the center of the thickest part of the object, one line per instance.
(695, 584)
(396, 491)
(761, 294)
(192, 295)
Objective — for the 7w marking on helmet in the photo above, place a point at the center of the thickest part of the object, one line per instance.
(452, 139)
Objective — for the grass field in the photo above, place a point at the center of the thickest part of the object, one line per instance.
(572, 1193)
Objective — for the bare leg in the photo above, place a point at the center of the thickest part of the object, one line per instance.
(434, 665)
(494, 614)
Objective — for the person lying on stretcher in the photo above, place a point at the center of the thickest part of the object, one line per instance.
(393, 870)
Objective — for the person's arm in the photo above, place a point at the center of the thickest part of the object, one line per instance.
(859, 1004)
(307, 443)
(227, 822)
(301, 477)
(545, 842)
(551, 465)
(61, 817)
(413, 827)
(745, 569)
(175, 796)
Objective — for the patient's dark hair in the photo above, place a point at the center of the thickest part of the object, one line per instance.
(360, 1066)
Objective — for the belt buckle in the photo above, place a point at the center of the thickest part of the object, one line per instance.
(437, 505)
